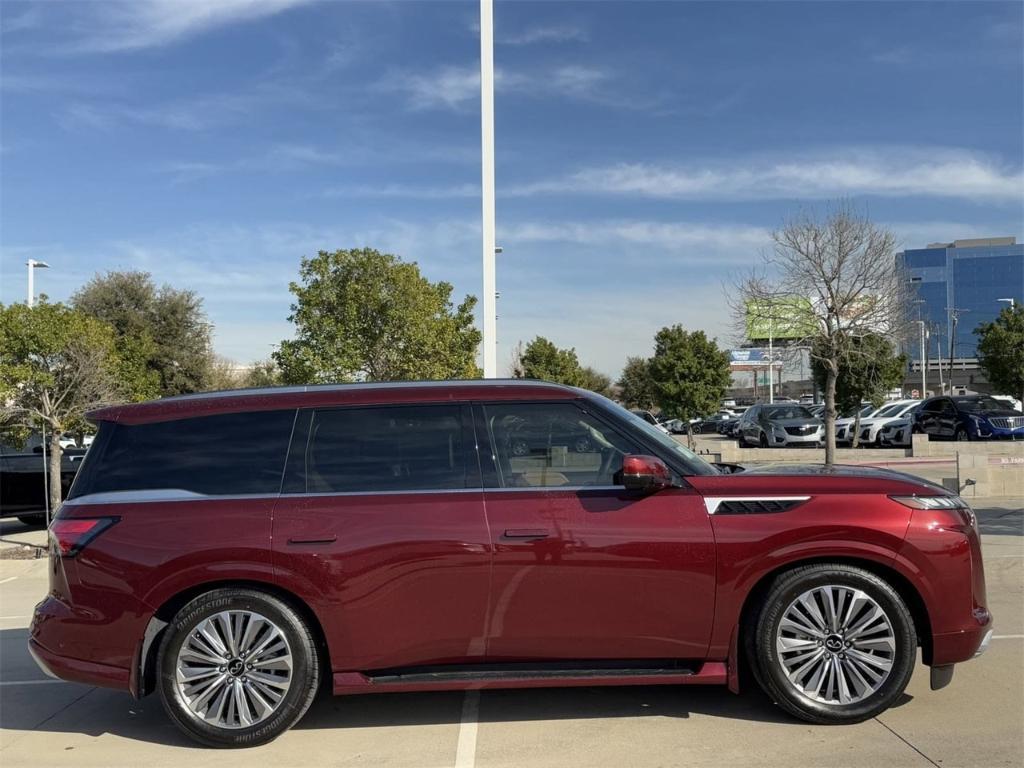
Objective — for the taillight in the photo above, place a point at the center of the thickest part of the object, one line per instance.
(70, 535)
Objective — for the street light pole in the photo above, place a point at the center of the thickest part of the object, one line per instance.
(490, 351)
(33, 265)
(1011, 302)
(954, 314)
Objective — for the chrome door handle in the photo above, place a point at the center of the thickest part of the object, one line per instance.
(526, 533)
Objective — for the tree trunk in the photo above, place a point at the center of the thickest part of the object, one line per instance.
(855, 437)
(54, 451)
(830, 416)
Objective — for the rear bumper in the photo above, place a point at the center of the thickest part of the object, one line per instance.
(76, 670)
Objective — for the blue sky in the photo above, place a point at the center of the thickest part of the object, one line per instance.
(644, 150)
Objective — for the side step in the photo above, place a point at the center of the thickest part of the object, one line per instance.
(578, 674)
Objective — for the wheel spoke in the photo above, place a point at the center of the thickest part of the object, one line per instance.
(212, 670)
(835, 644)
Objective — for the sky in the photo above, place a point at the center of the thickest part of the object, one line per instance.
(644, 151)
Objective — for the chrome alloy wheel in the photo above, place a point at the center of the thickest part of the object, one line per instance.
(835, 644)
(234, 669)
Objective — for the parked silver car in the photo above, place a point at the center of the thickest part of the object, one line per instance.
(778, 425)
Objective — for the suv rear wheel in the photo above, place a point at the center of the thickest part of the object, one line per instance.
(237, 668)
(833, 644)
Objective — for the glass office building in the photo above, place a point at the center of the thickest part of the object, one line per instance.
(964, 280)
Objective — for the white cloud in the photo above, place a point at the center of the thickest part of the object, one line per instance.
(125, 25)
(458, 88)
(421, 192)
(893, 172)
(555, 33)
(740, 240)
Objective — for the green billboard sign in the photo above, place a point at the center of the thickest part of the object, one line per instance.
(782, 317)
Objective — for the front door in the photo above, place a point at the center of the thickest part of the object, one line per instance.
(584, 569)
(381, 522)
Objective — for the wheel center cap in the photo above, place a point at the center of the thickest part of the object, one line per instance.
(236, 667)
(834, 643)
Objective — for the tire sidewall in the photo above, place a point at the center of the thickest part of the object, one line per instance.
(305, 667)
(773, 676)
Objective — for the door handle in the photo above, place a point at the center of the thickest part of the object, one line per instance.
(526, 533)
(324, 540)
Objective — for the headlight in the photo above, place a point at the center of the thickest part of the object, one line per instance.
(931, 502)
(964, 514)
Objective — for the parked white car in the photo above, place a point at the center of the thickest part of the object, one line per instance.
(844, 426)
(898, 432)
(1013, 401)
(871, 427)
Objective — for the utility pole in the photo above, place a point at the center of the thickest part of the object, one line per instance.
(490, 351)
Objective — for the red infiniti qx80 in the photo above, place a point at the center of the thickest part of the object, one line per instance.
(233, 550)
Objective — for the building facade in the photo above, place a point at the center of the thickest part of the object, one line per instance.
(957, 286)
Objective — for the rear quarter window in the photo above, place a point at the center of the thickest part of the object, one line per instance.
(227, 454)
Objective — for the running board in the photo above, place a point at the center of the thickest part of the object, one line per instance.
(457, 678)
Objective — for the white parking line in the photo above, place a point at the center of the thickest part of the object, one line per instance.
(11, 618)
(465, 752)
(34, 682)
(1008, 637)
(9, 578)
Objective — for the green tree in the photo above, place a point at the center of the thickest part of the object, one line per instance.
(1001, 351)
(364, 315)
(688, 373)
(56, 363)
(263, 373)
(542, 360)
(635, 389)
(162, 332)
(595, 381)
(868, 370)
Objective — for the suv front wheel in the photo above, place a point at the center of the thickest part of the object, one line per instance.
(236, 668)
(833, 644)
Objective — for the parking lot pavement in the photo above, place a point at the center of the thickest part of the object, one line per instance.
(976, 721)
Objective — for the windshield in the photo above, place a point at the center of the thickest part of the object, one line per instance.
(695, 465)
(787, 412)
(892, 410)
(979, 404)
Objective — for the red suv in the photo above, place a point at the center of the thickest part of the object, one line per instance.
(234, 551)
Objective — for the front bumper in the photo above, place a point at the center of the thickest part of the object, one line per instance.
(804, 441)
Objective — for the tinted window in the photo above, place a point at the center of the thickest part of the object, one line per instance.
(402, 448)
(787, 412)
(553, 444)
(229, 454)
(983, 405)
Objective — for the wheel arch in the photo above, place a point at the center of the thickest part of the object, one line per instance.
(144, 670)
(903, 586)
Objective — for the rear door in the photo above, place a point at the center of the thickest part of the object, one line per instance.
(584, 569)
(381, 525)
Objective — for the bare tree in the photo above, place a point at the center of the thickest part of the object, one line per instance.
(833, 279)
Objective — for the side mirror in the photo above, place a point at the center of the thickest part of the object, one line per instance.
(645, 473)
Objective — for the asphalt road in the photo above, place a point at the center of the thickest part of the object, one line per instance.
(978, 721)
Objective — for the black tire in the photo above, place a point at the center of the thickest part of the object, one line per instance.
(305, 667)
(962, 435)
(763, 441)
(761, 632)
